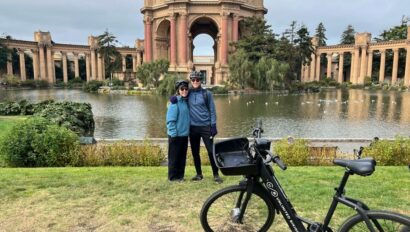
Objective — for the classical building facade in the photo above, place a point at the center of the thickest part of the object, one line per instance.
(45, 53)
(171, 27)
(362, 57)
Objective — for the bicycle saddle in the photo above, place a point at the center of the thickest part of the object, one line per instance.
(362, 167)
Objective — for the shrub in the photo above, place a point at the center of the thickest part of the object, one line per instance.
(396, 152)
(28, 83)
(10, 108)
(37, 143)
(121, 154)
(41, 83)
(295, 153)
(93, 86)
(219, 90)
(11, 80)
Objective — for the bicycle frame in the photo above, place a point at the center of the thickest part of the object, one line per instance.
(282, 203)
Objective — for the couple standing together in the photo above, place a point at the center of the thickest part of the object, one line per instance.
(190, 114)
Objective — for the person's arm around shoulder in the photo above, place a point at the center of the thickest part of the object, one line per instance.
(172, 117)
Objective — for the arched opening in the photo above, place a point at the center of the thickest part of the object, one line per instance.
(204, 47)
(162, 39)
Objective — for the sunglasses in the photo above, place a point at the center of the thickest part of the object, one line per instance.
(196, 80)
(183, 89)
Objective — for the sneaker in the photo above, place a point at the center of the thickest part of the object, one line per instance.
(197, 178)
(218, 179)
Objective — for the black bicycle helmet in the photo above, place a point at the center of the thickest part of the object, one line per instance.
(195, 75)
(180, 83)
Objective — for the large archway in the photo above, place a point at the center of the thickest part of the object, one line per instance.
(162, 40)
(204, 39)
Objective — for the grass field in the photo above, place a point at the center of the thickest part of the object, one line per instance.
(141, 199)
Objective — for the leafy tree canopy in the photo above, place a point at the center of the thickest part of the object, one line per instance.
(107, 48)
(395, 33)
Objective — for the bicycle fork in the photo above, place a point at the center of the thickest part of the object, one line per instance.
(240, 206)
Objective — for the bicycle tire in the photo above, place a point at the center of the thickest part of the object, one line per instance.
(259, 214)
(388, 221)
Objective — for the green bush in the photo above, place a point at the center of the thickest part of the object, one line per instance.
(11, 80)
(385, 152)
(38, 143)
(219, 90)
(93, 86)
(10, 108)
(121, 154)
(29, 84)
(295, 153)
(41, 83)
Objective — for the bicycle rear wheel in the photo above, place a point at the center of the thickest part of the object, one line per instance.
(221, 210)
(381, 220)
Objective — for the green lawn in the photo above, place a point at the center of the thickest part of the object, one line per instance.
(141, 199)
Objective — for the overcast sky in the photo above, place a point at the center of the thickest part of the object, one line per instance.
(72, 21)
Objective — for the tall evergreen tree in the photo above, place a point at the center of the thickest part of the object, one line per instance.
(320, 34)
(304, 45)
(259, 39)
(396, 32)
(348, 35)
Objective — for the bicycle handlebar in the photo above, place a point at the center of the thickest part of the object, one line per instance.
(277, 161)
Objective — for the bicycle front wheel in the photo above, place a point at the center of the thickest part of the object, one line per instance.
(221, 211)
(381, 221)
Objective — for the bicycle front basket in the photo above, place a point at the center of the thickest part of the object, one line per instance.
(232, 157)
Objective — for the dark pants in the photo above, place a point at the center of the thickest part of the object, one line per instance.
(196, 133)
(177, 148)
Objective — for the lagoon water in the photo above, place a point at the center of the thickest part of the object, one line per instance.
(329, 114)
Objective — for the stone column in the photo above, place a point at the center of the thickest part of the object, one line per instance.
(317, 76)
(54, 67)
(50, 76)
(23, 73)
(173, 41)
(139, 59)
(370, 64)
(36, 68)
(306, 74)
(356, 65)
(124, 63)
(363, 65)
(224, 39)
(9, 64)
(65, 71)
(134, 64)
(329, 65)
(407, 70)
(87, 67)
(148, 39)
(395, 66)
(352, 63)
(235, 27)
(93, 65)
(382, 65)
(43, 74)
(312, 68)
(341, 62)
(99, 67)
(76, 66)
(183, 40)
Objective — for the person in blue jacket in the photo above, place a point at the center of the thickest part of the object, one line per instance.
(203, 124)
(178, 123)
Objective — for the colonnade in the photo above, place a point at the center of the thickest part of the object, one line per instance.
(362, 56)
(45, 53)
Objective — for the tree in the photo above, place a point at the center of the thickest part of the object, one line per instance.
(258, 39)
(348, 35)
(320, 34)
(396, 32)
(4, 51)
(304, 45)
(291, 33)
(150, 73)
(240, 69)
(107, 49)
